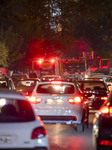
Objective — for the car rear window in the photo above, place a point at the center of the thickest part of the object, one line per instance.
(92, 86)
(55, 89)
(26, 83)
(12, 110)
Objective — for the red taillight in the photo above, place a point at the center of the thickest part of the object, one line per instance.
(106, 142)
(76, 100)
(106, 111)
(104, 98)
(34, 99)
(38, 132)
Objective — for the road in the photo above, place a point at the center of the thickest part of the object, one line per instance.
(64, 137)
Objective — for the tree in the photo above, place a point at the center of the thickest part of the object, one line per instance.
(3, 55)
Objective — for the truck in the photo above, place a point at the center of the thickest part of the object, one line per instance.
(47, 66)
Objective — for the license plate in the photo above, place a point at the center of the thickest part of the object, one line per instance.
(53, 102)
(5, 139)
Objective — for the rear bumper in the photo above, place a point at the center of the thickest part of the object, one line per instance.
(60, 119)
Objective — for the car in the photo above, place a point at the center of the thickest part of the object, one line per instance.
(50, 77)
(16, 77)
(20, 127)
(96, 92)
(102, 127)
(60, 102)
(26, 86)
(6, 82)
(72, 77)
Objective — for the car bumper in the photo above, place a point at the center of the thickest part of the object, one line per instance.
(61, 119)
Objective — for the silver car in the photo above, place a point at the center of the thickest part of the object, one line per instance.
(60, 102)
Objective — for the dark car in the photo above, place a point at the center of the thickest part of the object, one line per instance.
(102, 127)
(16, 77)
(6, 82)
(26, 86)
(95, 92)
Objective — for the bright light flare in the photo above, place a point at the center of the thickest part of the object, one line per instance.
(57, 87)
(2, 102)
(52, 61)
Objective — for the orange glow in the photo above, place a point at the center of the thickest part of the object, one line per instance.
(34, 99)
(39, 118)
(76, 100)
(52, 60)
(103, 98)
(40, 61)
(104, 110)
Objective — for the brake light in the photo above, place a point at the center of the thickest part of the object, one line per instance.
(106, 142)
(56, 82)
(38, 132)
(76, 100)
(34, 100)
(104, 98)
(106, 111)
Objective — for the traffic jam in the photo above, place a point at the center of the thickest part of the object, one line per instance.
(56, 95)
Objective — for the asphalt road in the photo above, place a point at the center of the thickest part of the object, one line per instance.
(65, 137)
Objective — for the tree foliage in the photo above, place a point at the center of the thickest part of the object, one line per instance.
(25, 22)
(3, 55)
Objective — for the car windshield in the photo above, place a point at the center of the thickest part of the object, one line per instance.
(92, 86)
(12, 110)
(55, 89)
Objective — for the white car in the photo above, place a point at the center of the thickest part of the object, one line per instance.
(19, 126)
(50, 77)
(60, 102)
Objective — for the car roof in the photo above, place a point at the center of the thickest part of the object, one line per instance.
(50, 76)
(5, 93)
(97, 81)
(58, 81)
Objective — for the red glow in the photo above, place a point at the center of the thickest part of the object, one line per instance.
(106, 142)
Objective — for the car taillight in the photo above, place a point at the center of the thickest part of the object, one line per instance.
(75, 100)
(34, 100)
(106, 111)
(106, 142)
(38, 132)
(104, 98)
(56, 82)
